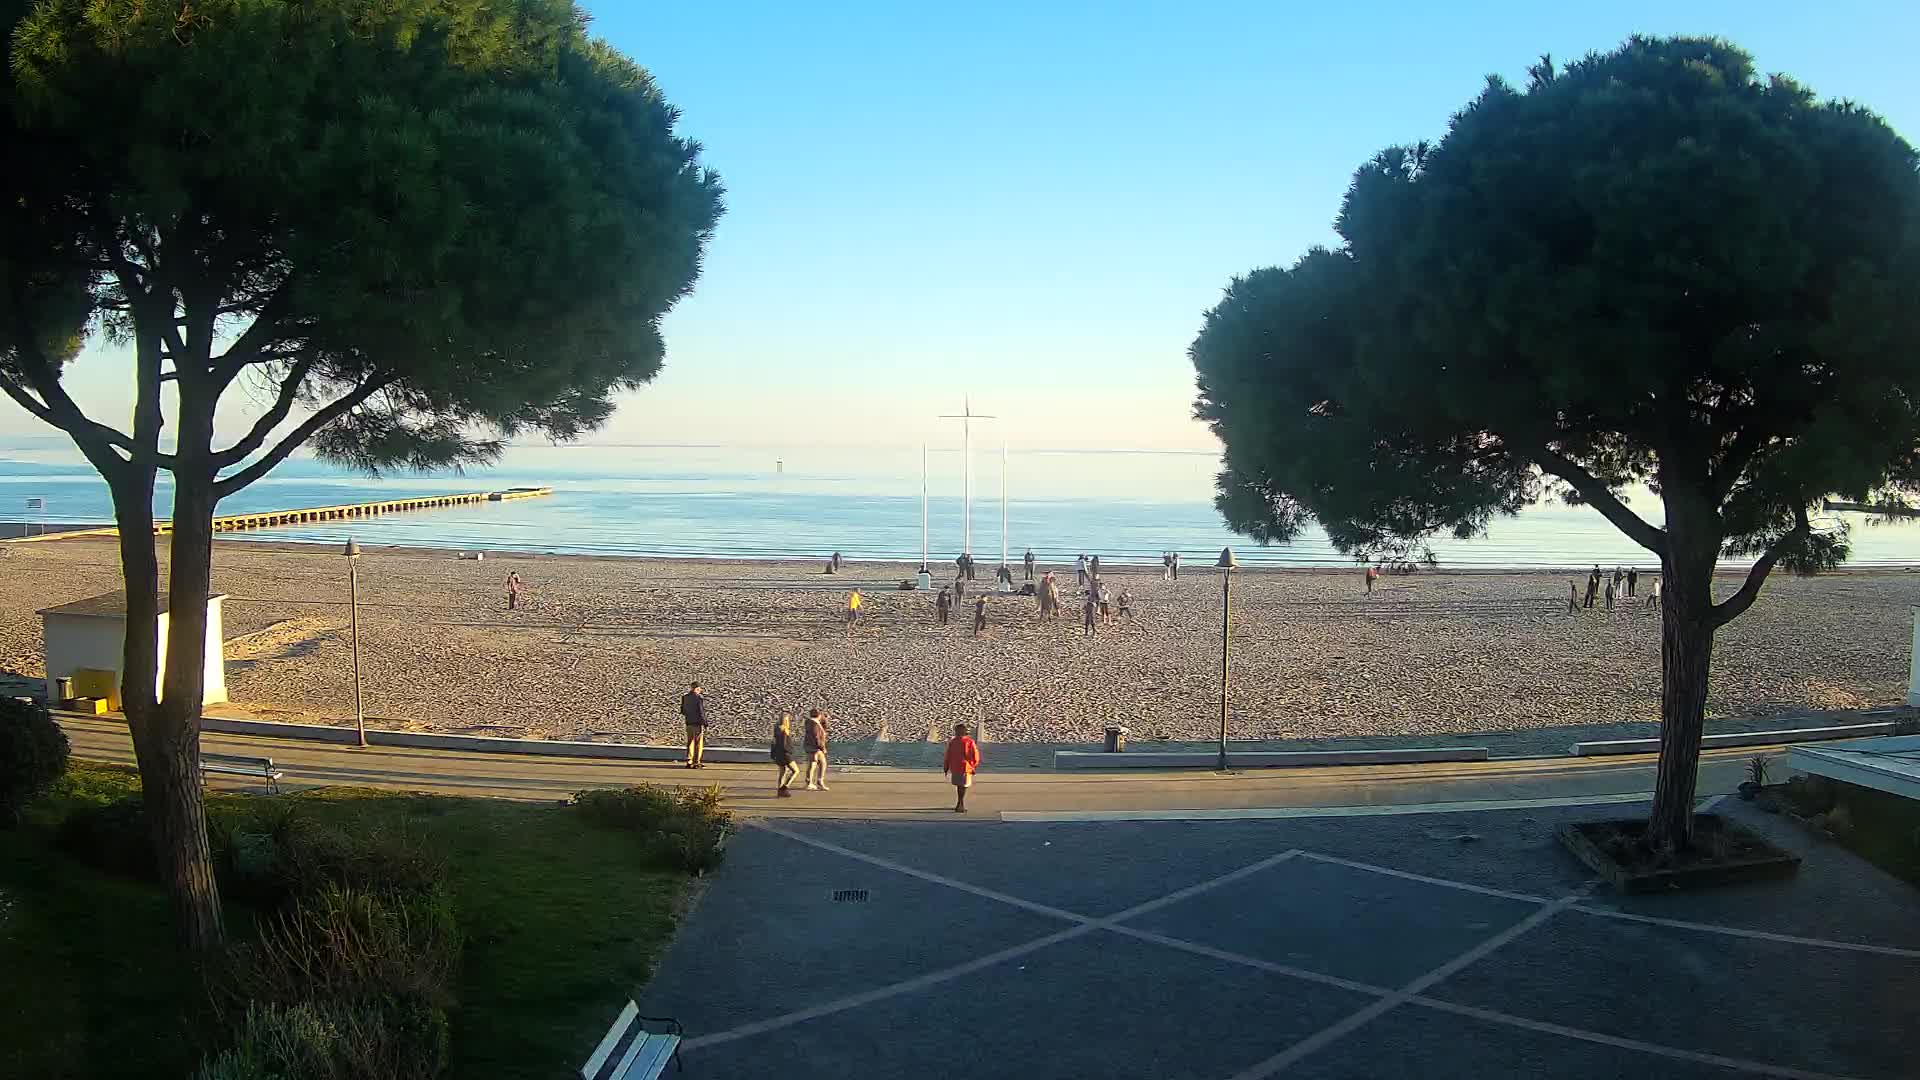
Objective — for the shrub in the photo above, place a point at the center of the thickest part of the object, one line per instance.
(110, 836)
(642, 806)
(276, 853)
(33, 754)
(690, 844)
(396, 1038)
(348, 946)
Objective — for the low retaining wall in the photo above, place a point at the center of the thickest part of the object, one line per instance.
(1744, 738)
(1250, 759)
(477, 743)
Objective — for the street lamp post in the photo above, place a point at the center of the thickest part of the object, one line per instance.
(353, 618)
(1227, 566)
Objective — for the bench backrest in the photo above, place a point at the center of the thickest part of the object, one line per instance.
(262, 764)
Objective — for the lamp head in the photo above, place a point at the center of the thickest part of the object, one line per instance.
(353, 549)
(1227, 561)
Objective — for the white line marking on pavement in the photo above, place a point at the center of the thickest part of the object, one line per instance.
(1603, 1039)
(1286, 1058)
(1244, 960)
(1709, 803)
(902, 868)
(1761, 935)
(1391, 872)
(918, 982)
(1265, 813)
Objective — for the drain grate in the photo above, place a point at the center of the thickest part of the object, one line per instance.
(849, 896)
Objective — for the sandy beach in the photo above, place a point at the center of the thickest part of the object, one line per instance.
(603, 647)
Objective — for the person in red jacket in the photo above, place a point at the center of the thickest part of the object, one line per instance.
(963, 757)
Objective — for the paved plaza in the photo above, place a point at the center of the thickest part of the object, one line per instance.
(1421, 945)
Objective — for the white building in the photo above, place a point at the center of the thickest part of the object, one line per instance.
(91, 634)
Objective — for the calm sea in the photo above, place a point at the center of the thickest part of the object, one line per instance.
(734, 502)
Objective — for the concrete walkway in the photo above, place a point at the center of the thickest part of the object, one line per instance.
(875, 792)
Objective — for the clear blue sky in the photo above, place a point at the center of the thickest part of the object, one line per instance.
(1034, 203)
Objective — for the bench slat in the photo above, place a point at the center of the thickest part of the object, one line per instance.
(621, 1024)
(648, 1058)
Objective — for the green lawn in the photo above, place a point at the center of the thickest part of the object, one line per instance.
(563, 922)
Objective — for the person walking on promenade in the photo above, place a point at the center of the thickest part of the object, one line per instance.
(1633, 581)
(1087, 611)
(853, 611)
(962, 758)
(979, 616)
(781, 749)
(513, 590)
(816, 741)
(1028, 559)
(693, 709)
(943, 605)
(1080, 571)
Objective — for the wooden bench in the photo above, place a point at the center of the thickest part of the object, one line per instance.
(631, 1052)
(236, 765)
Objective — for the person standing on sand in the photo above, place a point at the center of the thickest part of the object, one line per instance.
(1373, 575)
(513, 591)
(816, 742)
(693, 709)
(943, 604)
(1126, 605)
(959, 587)
(1166, 566)
(1028, 559)
(1004, 576)
(1593, 585)
(1176, 566)
(853, 611)
(962, 758)
(1609, 596)
(980, 616)
(1093, 567)
(1087, 611)
(1573, 597)
(1080, 570)
(1653, 598)
(1633, 581)
(836, 562)
(781, 750)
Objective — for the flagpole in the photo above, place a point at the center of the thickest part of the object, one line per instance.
(923, 506)
(1003, 504)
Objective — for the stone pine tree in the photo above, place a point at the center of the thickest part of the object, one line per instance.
(1652, 268)
(402, 230)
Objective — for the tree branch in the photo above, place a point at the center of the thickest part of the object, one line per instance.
(332, 411)
(274, 417)
(1731, 608)
(1603, 500)
(257, 336)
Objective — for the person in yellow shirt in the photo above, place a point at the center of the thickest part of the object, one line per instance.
(853, 611)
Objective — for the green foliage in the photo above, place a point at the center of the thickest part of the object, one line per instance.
(640, 807)
(281, 854)
(557, 917)
(394, 1039)
(1757, 767)
(33, 755)
(469, 204)
(684, 829)
(1649, 266)
(341, 945)
(110, 837)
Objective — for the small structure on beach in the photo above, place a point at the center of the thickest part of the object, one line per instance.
(90, 636)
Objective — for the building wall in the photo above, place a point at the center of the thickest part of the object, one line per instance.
(98, 641)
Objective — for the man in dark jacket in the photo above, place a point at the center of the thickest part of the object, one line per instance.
(693, 709)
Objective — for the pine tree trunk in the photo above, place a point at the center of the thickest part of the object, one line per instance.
(1686, 654)
(166, 744)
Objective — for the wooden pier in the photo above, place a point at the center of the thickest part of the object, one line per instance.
(307, 515)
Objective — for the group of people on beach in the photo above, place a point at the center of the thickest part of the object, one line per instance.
(961, 759)
(1624, 584)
